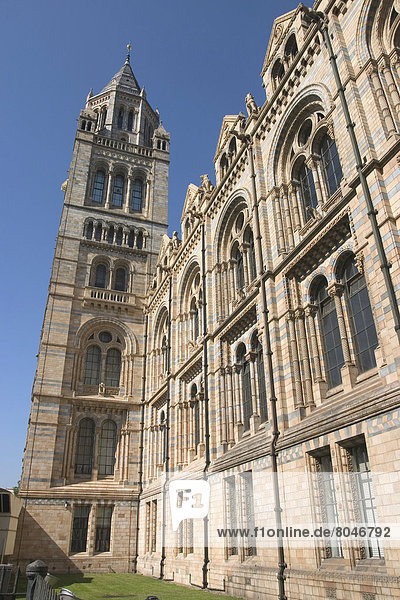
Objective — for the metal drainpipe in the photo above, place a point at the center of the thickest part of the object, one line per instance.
(322, 21)
(146, 325)
(206, 408)
(270, 374)
(166, 434)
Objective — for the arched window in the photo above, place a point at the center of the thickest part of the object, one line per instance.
(262, 392)
(223, 165)
(239, 268)
(89, 230)
(88, 126)
(330, 334)
(232, 147)
(307, 190)
(92, 366)
(360, 315)
(246, 385)
(110, 234)
(139, 240)
(120, 118)
(278, 73)
(131, 238)
(84, 447)
(103, 116)
(120, 279)
(331, 167)
(291, 47)
(130, 120)
(194, 314)
(108, 443)
(100, 276)
(83, 125)
(119, 236)
(118, 190)
(98, 186)
(113, 367)
(137, 195)
(98, 233)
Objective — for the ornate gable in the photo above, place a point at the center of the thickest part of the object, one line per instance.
(278, 34)
(228, 124)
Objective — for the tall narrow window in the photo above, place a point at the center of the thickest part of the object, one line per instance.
(103, 116)
(248, 511)
(118, 190)
(307, 190)
(239, 268)
(89, 230)
(92, 365)
(113, 367)
(327, 501)
(98, 186)
(103, 528)
(137, 195)
(153, 546)
(331, 167)
(196, 408)
(80, 528)
(120, 119)
(108, 442)
(333, 351)
(119, 236)
(84, 447)
(139, 240)
(130, 120)
(231, 514)
(120, 279)
(100, 276)
(98, 233)
(364, 498)
(361, 318)
(164, 352)
(246, 386)
(110, 234)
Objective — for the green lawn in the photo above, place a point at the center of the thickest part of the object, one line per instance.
(126, 586)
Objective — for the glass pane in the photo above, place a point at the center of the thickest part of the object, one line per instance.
(80, 528)
(137, 195)
(92, 366)
(84, 447)
(103, 528)
(108, 442)
(100, 279)
(98, 187)
(113, 367)
(118, 190)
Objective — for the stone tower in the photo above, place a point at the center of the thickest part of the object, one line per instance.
(80, 473)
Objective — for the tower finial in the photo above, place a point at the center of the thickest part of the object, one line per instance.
(128, 56)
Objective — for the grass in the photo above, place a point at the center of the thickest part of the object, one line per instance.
(126, 586)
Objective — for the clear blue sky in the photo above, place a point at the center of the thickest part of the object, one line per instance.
(197, 60)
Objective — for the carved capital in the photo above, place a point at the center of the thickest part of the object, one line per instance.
(299, 313)
(310, 310)
(335, 289)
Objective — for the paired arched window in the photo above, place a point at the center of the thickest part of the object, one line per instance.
(84, 447)
(291, 48)
(98, 186)
(107, 446)
(100, 279)
(360, 314)
(103, 360)
(245, 385)
(330, 334)
(259, 362)
(118, 191)
(137, 195)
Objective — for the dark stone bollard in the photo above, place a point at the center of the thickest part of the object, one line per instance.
(38, 567)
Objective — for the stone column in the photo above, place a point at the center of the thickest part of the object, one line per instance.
(244, 250)
(349, 370)
(223, 411)
(109, 187)
(292, 188)
(290, 319)
(279, 224)
(288, 220)
(382, 101)
(311, 164)
(309, 400)
(394, 93)
(231, 414)
(128, 194)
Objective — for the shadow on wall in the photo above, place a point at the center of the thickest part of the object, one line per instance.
(33, 543)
